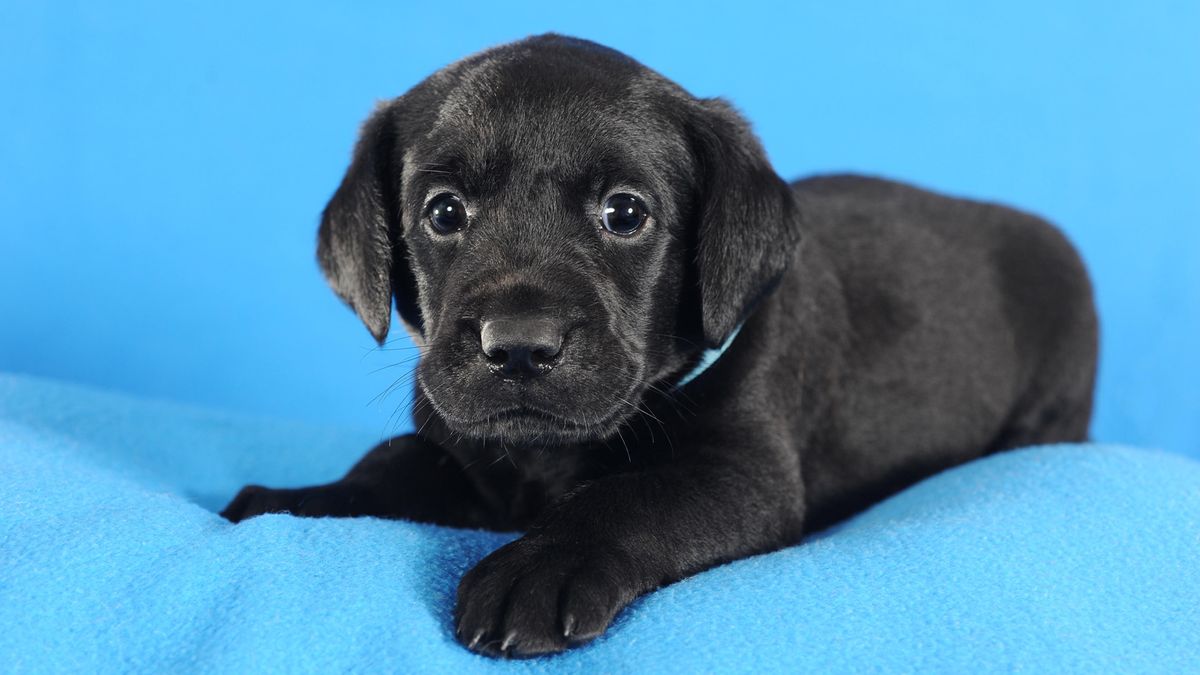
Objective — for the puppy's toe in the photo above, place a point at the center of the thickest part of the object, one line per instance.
(531, 620)
(589, 603)
(255, 500)
(479, 610)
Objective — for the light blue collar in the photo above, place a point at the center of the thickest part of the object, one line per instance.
(709, 357)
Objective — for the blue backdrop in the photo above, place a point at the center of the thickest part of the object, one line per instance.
(162, 167)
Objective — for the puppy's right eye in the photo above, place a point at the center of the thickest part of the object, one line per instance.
(447, 214)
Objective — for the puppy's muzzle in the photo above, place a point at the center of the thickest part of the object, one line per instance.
(521, 348)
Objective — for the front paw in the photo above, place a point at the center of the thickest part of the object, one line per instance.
(536, 596)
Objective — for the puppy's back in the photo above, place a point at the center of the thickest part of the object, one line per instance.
(978, 254)
(971, 256)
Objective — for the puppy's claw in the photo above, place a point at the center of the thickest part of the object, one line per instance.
(508, 641)
(568, 625)
(475, 640)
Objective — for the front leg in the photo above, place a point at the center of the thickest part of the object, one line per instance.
(621, 536)
(405, 477)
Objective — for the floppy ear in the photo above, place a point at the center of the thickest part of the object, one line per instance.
(359, 245)
(749, 225)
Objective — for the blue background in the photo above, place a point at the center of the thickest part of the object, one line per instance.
(162, 167)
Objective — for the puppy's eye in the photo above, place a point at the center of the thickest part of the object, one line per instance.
(624, 214)
(447, 214)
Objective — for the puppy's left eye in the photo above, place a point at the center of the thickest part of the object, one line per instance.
(624, 214)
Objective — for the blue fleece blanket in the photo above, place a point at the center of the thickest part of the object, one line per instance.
(112, 559)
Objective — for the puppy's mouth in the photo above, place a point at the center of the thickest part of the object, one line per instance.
(530, 424)
(528, 414)
(526, 422)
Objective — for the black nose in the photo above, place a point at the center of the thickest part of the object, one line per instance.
(521, 347)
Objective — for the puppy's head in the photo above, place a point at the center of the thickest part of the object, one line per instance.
(562, 228)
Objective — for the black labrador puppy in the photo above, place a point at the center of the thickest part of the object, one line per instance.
(652, 354)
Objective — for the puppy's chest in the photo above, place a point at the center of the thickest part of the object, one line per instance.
(519, 482)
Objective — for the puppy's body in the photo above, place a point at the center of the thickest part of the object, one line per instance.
(879, 333)
(953, 329)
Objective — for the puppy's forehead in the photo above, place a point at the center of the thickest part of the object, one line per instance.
(550, 100)
(540, 72)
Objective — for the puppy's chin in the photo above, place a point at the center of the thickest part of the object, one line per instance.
(529, 426)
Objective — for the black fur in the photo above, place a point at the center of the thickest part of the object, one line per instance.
(887, 333)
